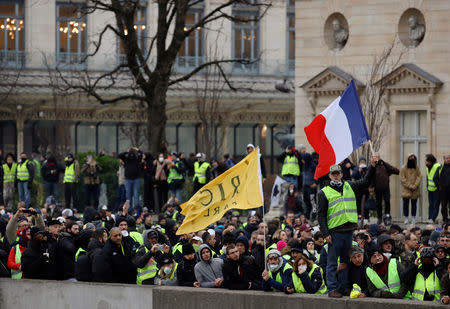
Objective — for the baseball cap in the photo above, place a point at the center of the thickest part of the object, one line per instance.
(250, 145)
(304, 228)
(198, 155)
(335, 168)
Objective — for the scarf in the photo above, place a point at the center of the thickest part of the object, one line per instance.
(382, 268)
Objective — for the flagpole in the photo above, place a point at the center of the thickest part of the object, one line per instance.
(263, 208)
(371, 147)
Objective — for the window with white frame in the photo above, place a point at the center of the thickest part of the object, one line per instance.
(191, 53)
(71, 39)
(12, 39)
(246, 39)
(140, 26)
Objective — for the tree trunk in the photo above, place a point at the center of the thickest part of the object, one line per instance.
(157, 119)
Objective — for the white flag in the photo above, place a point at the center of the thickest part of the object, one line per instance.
(276, 192)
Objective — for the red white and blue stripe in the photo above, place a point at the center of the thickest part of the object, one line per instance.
(337, 131)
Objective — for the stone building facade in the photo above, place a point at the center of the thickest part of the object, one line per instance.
(36, 36)
(416, 100)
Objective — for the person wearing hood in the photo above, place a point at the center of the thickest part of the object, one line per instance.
(242, 245)
(440, 253)
(66, 250)
(15, 254)
(277, 276)
(410, 177)
(147, 255)
(357, 272)
(208, 271)
(385, 278)
(426, 272)
(50, 172)
(306, 277)
(148, 174)
(386, 246)
(309, 251)
(35, 261)
(185, 269)
(82, 263)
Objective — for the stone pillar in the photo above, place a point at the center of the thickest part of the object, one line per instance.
(20, 123)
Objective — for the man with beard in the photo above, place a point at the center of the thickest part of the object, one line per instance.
(239, 272)
(410, 177)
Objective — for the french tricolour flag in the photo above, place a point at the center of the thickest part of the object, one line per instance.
(338, 130)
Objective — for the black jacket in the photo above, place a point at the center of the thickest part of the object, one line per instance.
(114, 266)
(47, 168)
(323, 204)
(35, 264)
(133, 165)
(65, 253)
(4, 253)
(95, 258)
(238, 274)
(185, 272)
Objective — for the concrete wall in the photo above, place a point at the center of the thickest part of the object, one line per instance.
(38, 294)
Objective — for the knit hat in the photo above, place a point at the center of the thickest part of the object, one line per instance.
(121, 219)
(356, 250)
(273, 252)
(244, 240)
(188, 249)
(34, 231)
(67, 212)
(281, 244)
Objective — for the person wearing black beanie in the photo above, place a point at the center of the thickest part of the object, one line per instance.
(185, 269)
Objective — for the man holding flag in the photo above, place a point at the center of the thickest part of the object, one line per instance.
(335, 134)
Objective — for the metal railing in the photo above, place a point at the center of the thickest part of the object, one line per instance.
(12, 59)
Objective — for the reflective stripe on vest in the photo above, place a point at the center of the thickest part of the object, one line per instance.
(173, 174)
(279, 277)
(15, 273)
(22, 171)
(177, 247)
(298, 285)
(80, 250)
(431, 186)
(290, 166)
(393, 285)
(148, 271)
(430, 285)
(341, 208)
(200, 171)
(175, 214)
(69, 173)
(9, 174)
(174, 271)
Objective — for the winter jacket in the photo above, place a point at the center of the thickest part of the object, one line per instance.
(445, 285)
(382, 172)
(308, 169)
(65, 252)
(94, 253)
(410, 177)
(311, 284)
(379, 293)
(35, 261)
(206, 272)
(132, 164)
(272, 283)
(47, 168)
(4, 270)
(238, 274)
(357, 274)
(442, 178)
(186, 273)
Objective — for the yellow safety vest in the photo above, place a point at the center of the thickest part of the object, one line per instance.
(431, 186)
(173, 174)
(298, 285)
(148, 271)
(431, 285)
(17, 274)
(290, 166)
(69, 174)
(137, 237)
(341, 208)
(279, 277)
(9, 174)
(200, 171)
(22, 171)
(393, 285)
(80, 250)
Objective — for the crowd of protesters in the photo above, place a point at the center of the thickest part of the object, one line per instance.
(341, 255)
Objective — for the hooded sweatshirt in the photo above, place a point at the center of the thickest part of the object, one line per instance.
(207, 272)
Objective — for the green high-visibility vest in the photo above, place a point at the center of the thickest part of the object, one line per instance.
(430, 285)
(341, 208)
(174, 271)
(200, 171)
(37, 168)
(17, 274)
(290, 166)
(69, 173)
(272, 246)
(431, 186)
(173, 174)
(80, 250)
(137, 237)
(175, 215)
(393, 285)
(298, 285)
(22, 171)
(148, 271)
(177, 247)
(9, 174)
(279, 276)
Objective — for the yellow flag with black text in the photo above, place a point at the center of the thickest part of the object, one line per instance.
(239, 187)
